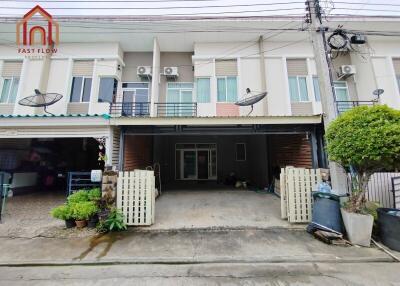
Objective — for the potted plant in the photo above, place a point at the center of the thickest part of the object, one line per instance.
(363, 140)
(64, 212)
(114, 222)
(82, 211)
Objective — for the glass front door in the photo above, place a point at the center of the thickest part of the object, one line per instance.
(196, 162)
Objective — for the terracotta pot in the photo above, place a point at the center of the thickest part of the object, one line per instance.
(80, 223)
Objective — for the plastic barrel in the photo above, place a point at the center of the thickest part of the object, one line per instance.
(326, 211)
(389, 228)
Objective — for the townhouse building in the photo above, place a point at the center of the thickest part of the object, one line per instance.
(165, 92)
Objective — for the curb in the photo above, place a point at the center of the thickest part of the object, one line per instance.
(186, 261)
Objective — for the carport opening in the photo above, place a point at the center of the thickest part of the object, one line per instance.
(209, 162)
(40, 165)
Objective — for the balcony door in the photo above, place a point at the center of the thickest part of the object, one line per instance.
(135, 101)
(179, 99)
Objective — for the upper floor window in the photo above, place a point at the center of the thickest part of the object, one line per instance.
(107, 89)
(227, 88)
(203, 90)
(226, 72)
(298, 88)
(398, 81)
(297, 74)
(81, 88)
(396, 65)
(341, 91)
(9, 90)
(317, 90)
(179, 92)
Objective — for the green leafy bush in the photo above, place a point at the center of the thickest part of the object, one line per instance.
(94, 194)
(114, 222)
(78, 197)
(366, 140)
(83, 210)
(62, 212)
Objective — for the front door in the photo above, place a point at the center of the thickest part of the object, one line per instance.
(196, 162)
(202, 164)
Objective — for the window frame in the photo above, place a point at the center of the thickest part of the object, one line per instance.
(82, 89)
(180, 89)
(316, 78)
(298, 88)
(346, 87)
(196, 88)
(115, 88)
(236, 152)
(134, 89)
(12, 78)
(225, 77)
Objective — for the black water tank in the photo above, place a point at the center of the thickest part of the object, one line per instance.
(326, 211)
(389, 228)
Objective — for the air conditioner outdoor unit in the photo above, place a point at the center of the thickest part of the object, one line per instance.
(144, 71)
(171, 72)
(346, 71)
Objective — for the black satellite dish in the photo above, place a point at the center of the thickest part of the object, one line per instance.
(40, 100)
(378, 92)
(251, 100)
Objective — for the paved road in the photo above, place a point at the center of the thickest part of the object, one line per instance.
(206, 274)
(194, 246)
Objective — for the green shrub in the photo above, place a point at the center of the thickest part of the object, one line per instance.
(94, 194)
(114, 222)
(364, 140)
(78, 197)
(83, 210)
(62, 212)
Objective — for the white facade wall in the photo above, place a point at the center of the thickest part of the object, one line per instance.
(54, 74)
(374, 70)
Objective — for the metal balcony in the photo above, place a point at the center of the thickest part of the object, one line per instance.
(343, 106)
(130, 109)
(176, 109)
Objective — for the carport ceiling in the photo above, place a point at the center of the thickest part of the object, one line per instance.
(219, 130)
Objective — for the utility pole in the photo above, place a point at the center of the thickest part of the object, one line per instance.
(322, 60)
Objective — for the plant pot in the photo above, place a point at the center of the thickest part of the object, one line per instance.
(92, 222)
(103, 214)
(358, 227)
(389, 228)
(70, 223)
(80, 223)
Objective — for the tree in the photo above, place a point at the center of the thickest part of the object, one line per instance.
(365, 140)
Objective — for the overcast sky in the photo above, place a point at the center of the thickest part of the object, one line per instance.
(200, 7)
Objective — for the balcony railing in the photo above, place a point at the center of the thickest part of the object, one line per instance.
(342, 106)
(176, 109)
(130, 109)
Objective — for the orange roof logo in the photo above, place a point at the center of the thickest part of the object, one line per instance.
(46, 31)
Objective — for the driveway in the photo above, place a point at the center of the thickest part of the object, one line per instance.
(188, 209)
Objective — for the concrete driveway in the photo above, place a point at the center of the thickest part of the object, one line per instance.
(208, 208)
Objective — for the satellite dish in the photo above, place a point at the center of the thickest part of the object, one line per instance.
(40, 100)
(251, 100)
(378, 92)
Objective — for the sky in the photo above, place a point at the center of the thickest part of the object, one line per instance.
(200, 7)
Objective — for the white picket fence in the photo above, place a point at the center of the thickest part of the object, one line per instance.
(296, 185)
(136, 196)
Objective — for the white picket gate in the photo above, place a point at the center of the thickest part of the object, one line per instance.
(136, 196)
(296, 185)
